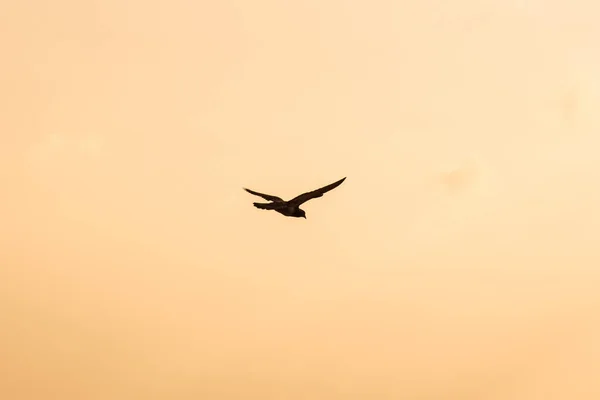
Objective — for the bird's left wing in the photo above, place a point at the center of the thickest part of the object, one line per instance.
(315, 193)
(264, 196)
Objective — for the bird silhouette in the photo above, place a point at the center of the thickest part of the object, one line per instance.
(291, 208)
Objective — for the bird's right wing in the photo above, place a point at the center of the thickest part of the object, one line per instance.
(264, 196)
(304, 197)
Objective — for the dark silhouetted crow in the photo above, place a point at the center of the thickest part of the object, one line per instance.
(291, 208)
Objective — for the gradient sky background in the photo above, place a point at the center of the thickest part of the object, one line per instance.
(459, 260)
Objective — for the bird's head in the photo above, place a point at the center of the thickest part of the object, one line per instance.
(301, 214)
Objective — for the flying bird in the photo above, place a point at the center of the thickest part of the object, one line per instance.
(291, 208)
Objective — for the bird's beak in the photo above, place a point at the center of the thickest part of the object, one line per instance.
(304, 216)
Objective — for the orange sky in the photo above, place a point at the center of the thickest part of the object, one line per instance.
(459, 260)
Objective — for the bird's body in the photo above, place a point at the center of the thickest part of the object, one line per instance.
(291, 208)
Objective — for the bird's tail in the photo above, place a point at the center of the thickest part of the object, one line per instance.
(266, 206)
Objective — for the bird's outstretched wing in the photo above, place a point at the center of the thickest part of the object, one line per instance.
(296, 201)
(264, 196)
